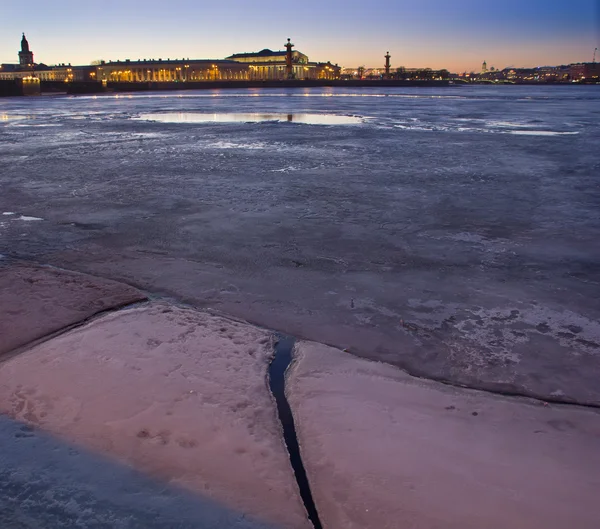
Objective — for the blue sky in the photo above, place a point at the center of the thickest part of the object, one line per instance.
(457, 35)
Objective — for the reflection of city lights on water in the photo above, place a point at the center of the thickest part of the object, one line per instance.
(8, 117)
(232, 117)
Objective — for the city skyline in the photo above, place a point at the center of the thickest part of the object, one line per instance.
(433, 34)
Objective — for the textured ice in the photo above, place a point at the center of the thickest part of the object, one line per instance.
(26, 218)
(475, 126)
(350, 246)
(176, 394)
(286, 169)
(46, 483)
(233, 145)
(36, 301)
(507, 124)
(384, 450)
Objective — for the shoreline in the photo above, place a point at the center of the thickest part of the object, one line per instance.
(14, 88)
(86, 88)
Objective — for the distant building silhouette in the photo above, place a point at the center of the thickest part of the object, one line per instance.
(25, 55)
(387, 64)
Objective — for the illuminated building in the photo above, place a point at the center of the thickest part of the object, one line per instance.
(176, 70)
(22, 74)
(585, 70)
(23, 69)
(62, 73)
(265, 65)
(401, 73)
(28, 68)
(65, 73)
(285, 64)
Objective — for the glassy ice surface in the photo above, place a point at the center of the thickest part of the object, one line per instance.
(452, 232)
(249, 117)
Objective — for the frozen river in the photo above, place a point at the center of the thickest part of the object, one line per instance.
(452, 232)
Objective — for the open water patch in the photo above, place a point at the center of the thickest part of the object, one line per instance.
(16, 119)
(250, 117)
(12, 117)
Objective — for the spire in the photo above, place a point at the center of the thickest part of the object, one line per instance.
(24, 44)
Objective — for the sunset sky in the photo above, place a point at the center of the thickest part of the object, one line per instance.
(457, 35)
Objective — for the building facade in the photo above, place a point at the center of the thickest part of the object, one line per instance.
(585, 71)
(285, 64)
(264, 65)
(177, 70)
(271, 65)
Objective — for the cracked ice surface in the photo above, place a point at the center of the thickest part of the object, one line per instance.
(177, 394)
(36, 301)
(340, 234)
(384, 450)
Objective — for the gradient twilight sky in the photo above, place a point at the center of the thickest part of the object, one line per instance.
(453, 34)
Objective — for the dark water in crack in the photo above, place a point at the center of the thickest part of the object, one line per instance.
(283, 356)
